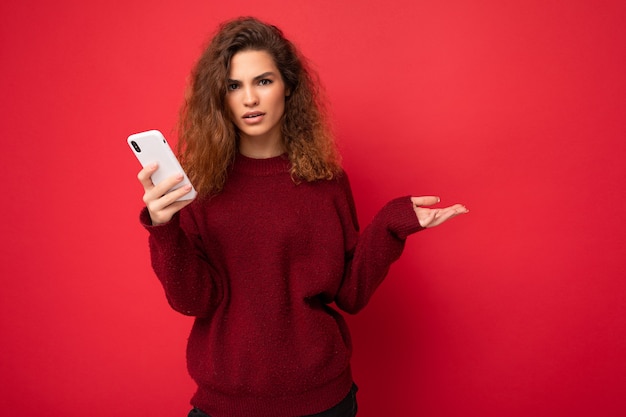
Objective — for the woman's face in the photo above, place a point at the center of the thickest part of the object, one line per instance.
(256, 100)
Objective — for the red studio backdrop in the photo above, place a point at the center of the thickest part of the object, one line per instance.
(515, 108)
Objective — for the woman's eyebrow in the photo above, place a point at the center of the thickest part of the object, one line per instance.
(264, 75)
(257, 78)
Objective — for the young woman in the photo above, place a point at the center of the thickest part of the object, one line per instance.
(272, 240)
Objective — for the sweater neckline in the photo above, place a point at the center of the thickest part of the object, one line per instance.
(261, 167)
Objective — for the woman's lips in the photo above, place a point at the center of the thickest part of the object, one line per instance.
(254, 117)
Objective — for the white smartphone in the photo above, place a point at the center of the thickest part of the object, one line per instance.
(150, 147)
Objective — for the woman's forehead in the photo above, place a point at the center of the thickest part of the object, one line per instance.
(251, 63)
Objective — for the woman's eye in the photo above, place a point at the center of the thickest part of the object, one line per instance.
(232, 87)
(265, 82)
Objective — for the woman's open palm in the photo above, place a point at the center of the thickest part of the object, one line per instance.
(431, 217)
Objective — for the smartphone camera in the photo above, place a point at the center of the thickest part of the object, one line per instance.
(135, 146)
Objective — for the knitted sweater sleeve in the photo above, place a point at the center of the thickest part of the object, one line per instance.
(181, 265)
(369, 254)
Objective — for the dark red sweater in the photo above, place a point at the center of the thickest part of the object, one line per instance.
(259, 266)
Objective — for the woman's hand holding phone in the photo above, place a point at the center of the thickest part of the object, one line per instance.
(161, 204)
(166, 187)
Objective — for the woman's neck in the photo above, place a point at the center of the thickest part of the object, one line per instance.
(258, 148)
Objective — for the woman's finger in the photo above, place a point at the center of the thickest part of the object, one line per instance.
(145, 176)
(157, 191)
(166, 214)
(424, 201)
(172, 197)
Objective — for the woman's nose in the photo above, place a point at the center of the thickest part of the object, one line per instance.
(250, 98)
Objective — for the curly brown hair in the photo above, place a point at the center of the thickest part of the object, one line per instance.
(208, 139)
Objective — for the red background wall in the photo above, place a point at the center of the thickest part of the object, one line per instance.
(515, 108)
